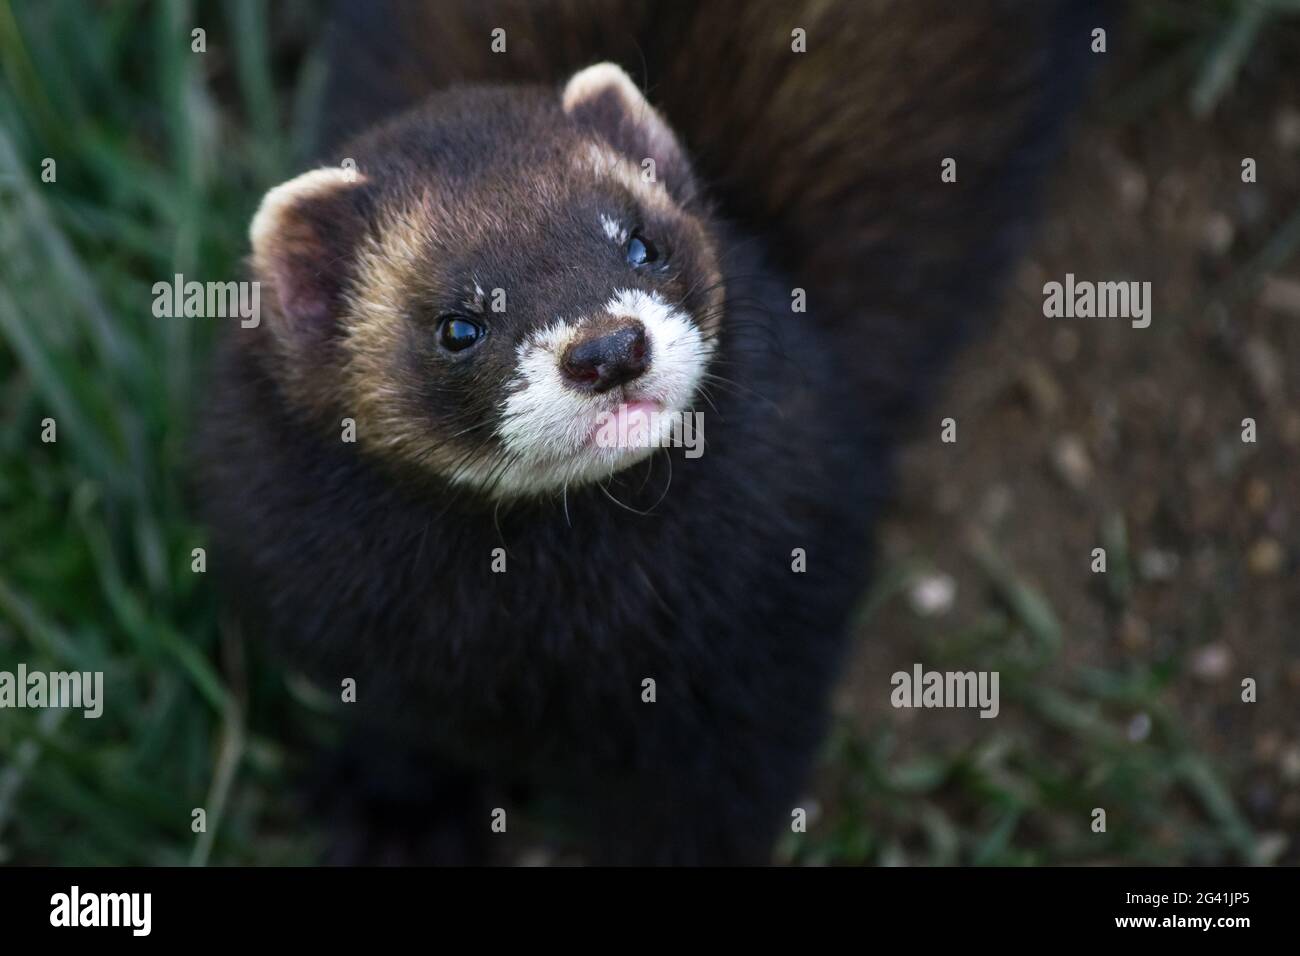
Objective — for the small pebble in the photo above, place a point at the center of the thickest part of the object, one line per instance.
(1044, 393)
(1130, 181)
(1217, 234)
(1270, 847)
(1267, 746)
(813, 808)
(1139, 728)
(1286, 128)
(996, 505)
(1071, 461)
(1265, 366)
(1281, 295)
(1290, 764)
(1155, 564)
(1258, 495)
(1212, 662)
(933, 594)
(1265, 557)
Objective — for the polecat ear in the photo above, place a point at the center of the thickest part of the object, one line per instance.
(303, 237)
(603, 99)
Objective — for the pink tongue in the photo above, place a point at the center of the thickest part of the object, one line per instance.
(629, 424)
(634, 421)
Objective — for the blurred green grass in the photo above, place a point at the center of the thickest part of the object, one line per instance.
(161, 156)
(154, 177)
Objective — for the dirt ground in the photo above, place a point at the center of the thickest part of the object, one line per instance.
(1080, 433)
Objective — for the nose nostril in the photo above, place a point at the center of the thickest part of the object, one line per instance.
(637, 351)
(605, 361)
(578, 371)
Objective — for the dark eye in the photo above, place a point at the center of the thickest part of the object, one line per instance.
(641, 251)
(457, 333)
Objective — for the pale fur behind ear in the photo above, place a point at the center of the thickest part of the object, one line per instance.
(597, 79)
(264, 230)
(306, 235)
(300, 236)
(602, 98)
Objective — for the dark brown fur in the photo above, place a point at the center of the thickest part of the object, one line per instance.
(818, 170)
(833, 156)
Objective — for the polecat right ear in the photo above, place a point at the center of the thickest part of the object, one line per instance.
(603, 99)
(303, 236)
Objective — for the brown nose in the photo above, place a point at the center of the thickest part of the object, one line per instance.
(607, 358)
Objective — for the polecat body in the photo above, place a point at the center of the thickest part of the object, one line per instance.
(491, 280)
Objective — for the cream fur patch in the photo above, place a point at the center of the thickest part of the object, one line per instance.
(614, 230)
(608, 164)
(598, 79)
(604, 78)
(315, 182)
(547, 427)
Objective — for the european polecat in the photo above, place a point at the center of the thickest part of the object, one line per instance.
(405, 474)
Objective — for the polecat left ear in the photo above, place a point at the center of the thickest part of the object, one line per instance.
(304, 235)
(603, 99)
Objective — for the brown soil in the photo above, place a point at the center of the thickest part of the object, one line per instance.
(1068, 427)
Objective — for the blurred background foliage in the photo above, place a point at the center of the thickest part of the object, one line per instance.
(161, 157)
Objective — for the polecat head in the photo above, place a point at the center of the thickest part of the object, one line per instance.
(493, 279)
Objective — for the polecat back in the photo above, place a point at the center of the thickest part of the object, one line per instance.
(408, 473)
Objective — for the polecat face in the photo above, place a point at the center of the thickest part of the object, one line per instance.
(505, 279)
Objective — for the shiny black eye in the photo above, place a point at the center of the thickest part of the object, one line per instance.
(641, 251)
(457, 333)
